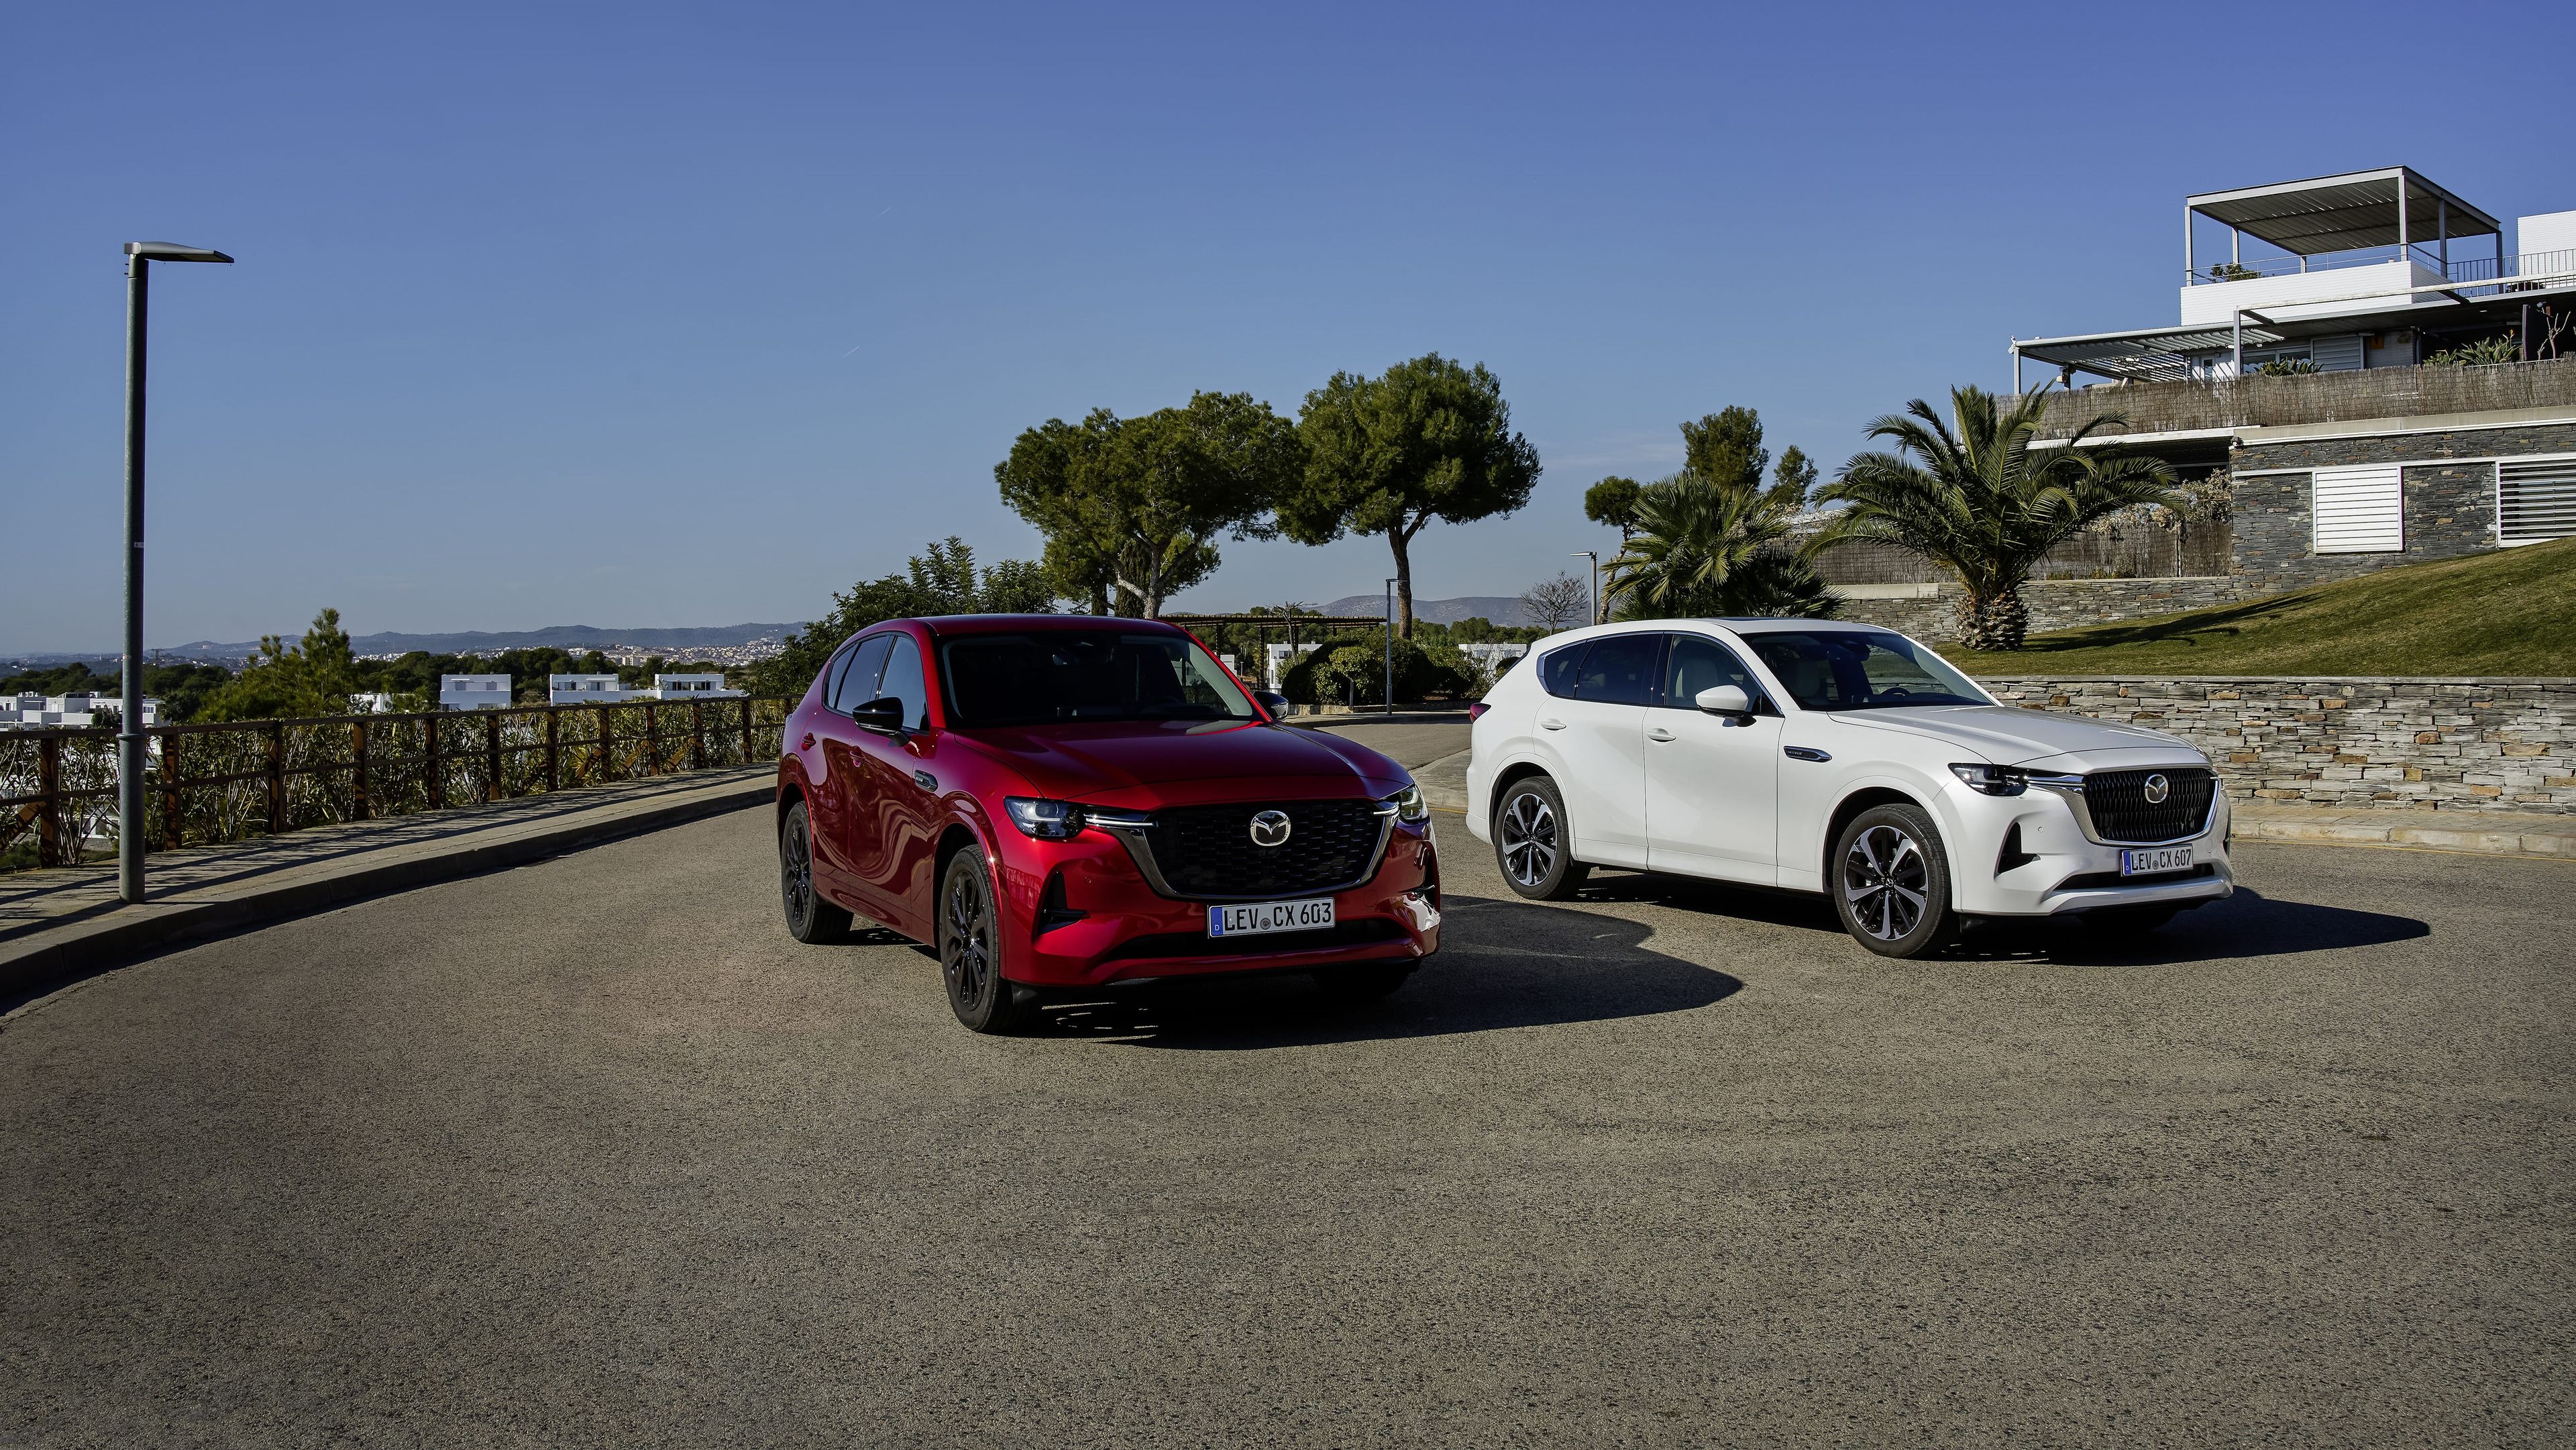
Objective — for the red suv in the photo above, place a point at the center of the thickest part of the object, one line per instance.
(1065, 802)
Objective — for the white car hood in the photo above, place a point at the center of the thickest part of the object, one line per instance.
(2005, 735)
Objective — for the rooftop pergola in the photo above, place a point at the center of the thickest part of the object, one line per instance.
(2393, 207)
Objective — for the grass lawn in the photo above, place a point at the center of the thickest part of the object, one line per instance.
(2509, 612)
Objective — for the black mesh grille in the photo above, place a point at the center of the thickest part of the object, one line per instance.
(1199, 944)
(1208, 850)
(2121, 811)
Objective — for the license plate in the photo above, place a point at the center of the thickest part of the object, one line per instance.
(1268, 916)
(2155, 862)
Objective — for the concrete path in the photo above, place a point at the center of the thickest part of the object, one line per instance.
(62, 922)
(590, 1153)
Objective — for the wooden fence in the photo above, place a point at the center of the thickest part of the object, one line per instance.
(239, 779)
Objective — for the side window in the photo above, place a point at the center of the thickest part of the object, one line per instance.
(904, 682)
(858, 682)
(1556, 671)
(1620, 670)
(1698, 663)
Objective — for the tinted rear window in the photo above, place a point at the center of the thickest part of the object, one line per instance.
(1620, 670)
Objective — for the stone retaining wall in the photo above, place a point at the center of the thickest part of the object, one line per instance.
(2053, 604)
(2431, 744)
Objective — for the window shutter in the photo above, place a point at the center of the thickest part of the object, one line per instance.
(2535, 500)
(2359, 510)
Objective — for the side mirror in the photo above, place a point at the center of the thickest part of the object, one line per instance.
(1724, 700)
(884, 713)
(1274, 702)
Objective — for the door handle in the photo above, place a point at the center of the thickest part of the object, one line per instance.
(809, 741)
(1551, 724)
(1659, 733)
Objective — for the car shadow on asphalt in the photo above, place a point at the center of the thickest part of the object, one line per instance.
(2247, 924)
(1501, 964)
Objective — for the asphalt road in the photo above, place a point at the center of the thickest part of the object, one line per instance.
(589, 1153)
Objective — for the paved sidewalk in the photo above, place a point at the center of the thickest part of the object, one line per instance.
(1444, 784)
(66, 921)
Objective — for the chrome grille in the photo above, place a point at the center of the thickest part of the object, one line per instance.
(1207, 851)
(2117, 801)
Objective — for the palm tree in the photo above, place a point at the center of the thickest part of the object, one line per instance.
(1975, 498)
(1707, 547)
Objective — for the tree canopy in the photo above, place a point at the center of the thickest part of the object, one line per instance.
(1712, 540)
(1428, 439)
(1131, 508)
(1613, 501)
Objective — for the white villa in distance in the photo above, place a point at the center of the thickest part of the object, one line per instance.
(586, 690)
(691, 687)
(474, 692)
(75, 712)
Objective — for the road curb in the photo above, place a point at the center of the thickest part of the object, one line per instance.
(81, 947)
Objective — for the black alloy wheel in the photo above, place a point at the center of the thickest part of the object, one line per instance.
(1530, 842)
(810, 919)
(970, 950)
(1891, 882)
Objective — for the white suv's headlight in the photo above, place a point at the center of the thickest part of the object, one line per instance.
(1410, 807)
(1992, 779)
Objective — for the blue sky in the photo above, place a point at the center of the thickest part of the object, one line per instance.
(654, 315)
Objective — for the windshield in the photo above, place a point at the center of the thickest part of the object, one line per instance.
(1856, 670)
(1061, 677)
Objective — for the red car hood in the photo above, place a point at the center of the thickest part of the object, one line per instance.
(1083, 762)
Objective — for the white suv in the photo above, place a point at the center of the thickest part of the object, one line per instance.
(1836, 758)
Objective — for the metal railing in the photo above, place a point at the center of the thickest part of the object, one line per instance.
(2258, 401)
(2465, 270)
(241, 779)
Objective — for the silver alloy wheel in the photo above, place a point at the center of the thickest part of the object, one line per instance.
(966, 957)
(1886, 882)
(796, 872)
(1529, 838)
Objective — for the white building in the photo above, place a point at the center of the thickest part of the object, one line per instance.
(1275, 659)
(77, 712)
(371, 702)
(588, 690)
(1493, 658)
(691, 687)
(473, 692)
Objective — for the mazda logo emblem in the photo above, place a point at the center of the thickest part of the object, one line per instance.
(2157, 789)
(1270, 828)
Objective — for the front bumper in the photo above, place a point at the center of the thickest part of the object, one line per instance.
(2066, 869)
(1126, 931)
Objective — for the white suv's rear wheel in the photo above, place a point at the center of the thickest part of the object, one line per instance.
(1891, 882)
(1531, 843)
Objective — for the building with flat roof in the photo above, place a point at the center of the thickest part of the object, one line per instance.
(2381, 373)
(473, 692)
(588, 690)
(75, 712)
(691, 687)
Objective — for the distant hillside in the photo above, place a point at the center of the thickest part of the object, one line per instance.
(1493, 609)
(559, 636)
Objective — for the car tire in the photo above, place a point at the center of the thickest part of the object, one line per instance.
(2129, 920)
(1530, 841)
(810, 919)
(969, 939)
(1890, 881)
(1362, 984)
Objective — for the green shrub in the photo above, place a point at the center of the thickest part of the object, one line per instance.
(1356, 670)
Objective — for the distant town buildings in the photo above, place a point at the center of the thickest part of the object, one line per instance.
(474, 692)
(76, 712)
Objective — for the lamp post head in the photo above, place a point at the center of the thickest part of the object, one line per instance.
(173, 252)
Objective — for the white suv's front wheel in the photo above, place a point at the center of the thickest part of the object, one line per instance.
(1891, 882)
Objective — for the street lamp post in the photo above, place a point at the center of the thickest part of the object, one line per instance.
(1595, 556)
(139, 257)
(1390, 647)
